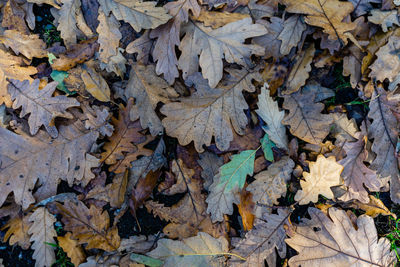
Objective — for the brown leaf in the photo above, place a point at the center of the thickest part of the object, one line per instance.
(17, 232)
(210, 164)
(324, 173)
(13, 17)
(72, 248)
(28, 45)
(305, 118)
(386, 65)
(126, 143)
(91, 226)
(216, 19)
(95, 84)
(77, 54)
(142, 46)
(143, 189)
(291, 33)
(246, 207)
(40, 104)
(270, 40)
(329, 241)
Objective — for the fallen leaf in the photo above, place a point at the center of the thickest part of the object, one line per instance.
(148, 90)
(143, 189)
(42, 231)
(212, 45)
(210, 163)
(209, 112)
(362, 7)
(246, 207)
(95, 84)
(384, 18)
(72, 248)
(373, 208)
(324, 173)
(228, 182)
(328, 241)
(216, 19)
(200, 250)
(291, 33)
(28, 45)
(260, 243)
(268, 110)
(305, 118)
(328, 15)
(142, 46)
(386, 66)
(91, 226)
(17, 232)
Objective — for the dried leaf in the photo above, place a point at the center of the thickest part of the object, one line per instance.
(17, 232)
(329, 241)
(209, 112)
(291, 33)
(91, 226)
(305, 119)
(362, 7)
(216, 19)
(268, 110)
(148, 90)
(246, 207)
(28, 45)
(260, 243)
(197, 251)
(95, 84)
(386, 65)
(384, 18)
(228, 182)
(72, 248)
(143, 189)
(40, 104)
(270, 40)
(210, 163)
(109, 36)
(212, 45)
(42, 231)
(373, 208)
(328, 15)
(324, 173)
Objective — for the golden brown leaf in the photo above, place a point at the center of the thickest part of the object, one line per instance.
(28, 45)
(216, 19)
(17, 231)
(95, 84)
(72, 248)
(246, 207)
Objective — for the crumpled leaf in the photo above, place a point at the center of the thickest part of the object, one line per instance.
(384, 131)
(268, 110)
(269, 185)
(187, 252)
(324, 173)
(40, 104)
(291, 33)
(210, 112)
(27, 160)
(89, 225)
(42, 231)
(148, 90)
(126, 143)
(140, 15)
(213, 45)
(72, 248)
(334, 241)
(304, 118)
(384, 18)
(228, 182)
(300, 71)
(28, 45)
(328, 15)
(260, 243)
(356, 174)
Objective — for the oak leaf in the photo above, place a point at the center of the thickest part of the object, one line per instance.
(89, 225)
(197, 251)
(333, 241)
(17, 232)
(210, 112)
(305, 118)
(27, 160)
(260, 243)
(140, 15)
(291, 33)
(216, 19)
(373, 208)
(148, 90)
(268, 110)
(384, 18)
(228, 182)
(28, 45)
(210, 163)
(126, 143)
(386, 65)
(72, 248)
(362, 7)
(95, 84)
(328, 15)
(213, 45)
(269, 185)
(324, 173)
(42, 231)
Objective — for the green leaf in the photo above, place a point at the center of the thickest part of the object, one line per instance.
(51, 57)
(146, 260)
(267, 146)
(229, 181)
(59, 77)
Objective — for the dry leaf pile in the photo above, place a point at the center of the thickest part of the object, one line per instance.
(199, 133)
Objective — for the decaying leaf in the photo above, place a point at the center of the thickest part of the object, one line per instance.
(17, 232)
(148, 90)
(210, 163)
(260, 243)
(95, 84)
(324, 173)
(210, 112)
(291, 33)
(28, 45)
(328, 14)
(384, 18)
(268, 110)
(216, 19)
(91, 226)
(197, 251)
(386, 65)
(40, 104)
(213, 45)
(373, 208)
(72, 248)
(228, 182)
(305, 119)
(109, 36)
(42, 231)
(333, 241)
